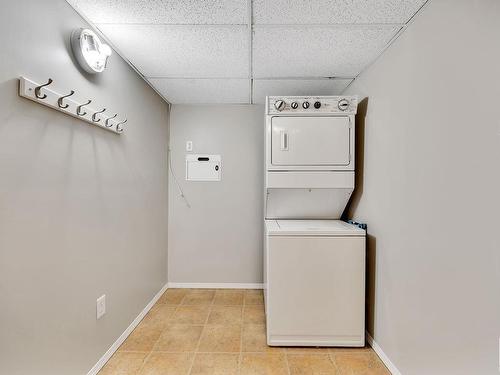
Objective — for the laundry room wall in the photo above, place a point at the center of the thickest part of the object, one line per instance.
(218, 238)
(428, 181)
(83, 211)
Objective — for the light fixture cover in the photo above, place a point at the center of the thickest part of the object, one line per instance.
(90, 52)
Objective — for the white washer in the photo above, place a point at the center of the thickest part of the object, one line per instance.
(315, 277)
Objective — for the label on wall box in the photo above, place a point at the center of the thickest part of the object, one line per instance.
(201, 167)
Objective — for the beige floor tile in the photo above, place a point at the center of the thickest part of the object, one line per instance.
(378, 369)
(229, 297)
(254, 315)
(254, 339)
(307, 350)
(215, 364)
(142, 339)
(199, 297)
(167, 364)
(254, 297)
(220, 338)
(190, 315)
(263, 364)
(225, 315)
(124, 363)
(179, 338)
(172, 329)
(311, 364)
(360, 363)
(159, 315)
(173, 296)
(350, 350)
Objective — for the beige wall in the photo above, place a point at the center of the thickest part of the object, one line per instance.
(83, 212)
(428, 185)
(219, 238)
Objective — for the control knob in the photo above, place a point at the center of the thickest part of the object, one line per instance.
(279, 105)
(343, 104)
(305, 105)
(317, 105)
(294, 105)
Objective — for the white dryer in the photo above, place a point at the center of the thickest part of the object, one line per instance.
(309, 156)
(314, 264)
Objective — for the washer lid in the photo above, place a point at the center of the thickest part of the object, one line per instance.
(312, 228)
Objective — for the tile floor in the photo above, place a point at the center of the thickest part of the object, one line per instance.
(222, 332)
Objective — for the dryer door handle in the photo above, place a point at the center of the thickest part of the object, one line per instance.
(284, 141)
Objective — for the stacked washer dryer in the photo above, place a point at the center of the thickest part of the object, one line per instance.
(314, 263)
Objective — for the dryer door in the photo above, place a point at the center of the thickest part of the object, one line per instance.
(307, 141)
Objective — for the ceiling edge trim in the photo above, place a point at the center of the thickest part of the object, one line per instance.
(327, 25)
(304, 78)
(118, 52)
(250, 50)
(389, 44)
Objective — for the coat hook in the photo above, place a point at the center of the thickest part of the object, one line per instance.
(79, 108)
(38, 88)
(106, 123)
(119, 127)
(94, 116)
(60, 100)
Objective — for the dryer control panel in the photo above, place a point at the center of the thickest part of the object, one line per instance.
(311, 105)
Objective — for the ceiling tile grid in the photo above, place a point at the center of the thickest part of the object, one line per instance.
(203, 91)
(183, 51)
(334, 12)
(189, 12)
(297, 87)
(239, 51)
(312, 51)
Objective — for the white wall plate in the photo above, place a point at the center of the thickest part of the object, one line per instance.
(203, 167)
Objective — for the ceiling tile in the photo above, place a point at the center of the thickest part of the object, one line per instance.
(299, 87)
(183, 51)
(314, 51)
(334, 11)
(164, 11)
(203, 91)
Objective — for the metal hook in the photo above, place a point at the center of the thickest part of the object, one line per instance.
(119, 127)
(60, 100)
(38, 88)
(106, 123)
(94, 116)
(79, 108)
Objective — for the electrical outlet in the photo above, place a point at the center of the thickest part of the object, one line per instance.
(189, 146)
(101, 306)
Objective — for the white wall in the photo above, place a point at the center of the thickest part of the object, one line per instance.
(218, 239)
(83, 211)
(428, 187)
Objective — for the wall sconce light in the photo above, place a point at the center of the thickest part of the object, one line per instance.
(90, 52)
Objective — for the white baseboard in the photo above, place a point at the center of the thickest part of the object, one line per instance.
(102, 361)
(216, 285)
(384, 358)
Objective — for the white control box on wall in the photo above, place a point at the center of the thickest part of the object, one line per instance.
(203, 167)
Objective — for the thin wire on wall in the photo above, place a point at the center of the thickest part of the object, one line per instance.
(181, 193)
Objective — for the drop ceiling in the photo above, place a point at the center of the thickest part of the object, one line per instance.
(239, 51)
